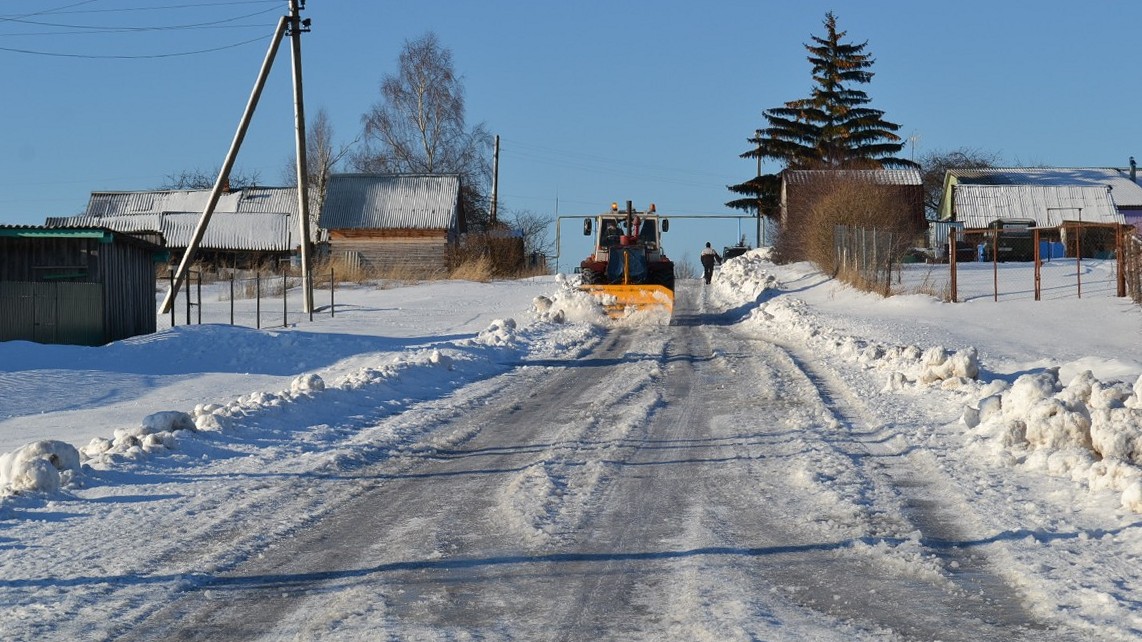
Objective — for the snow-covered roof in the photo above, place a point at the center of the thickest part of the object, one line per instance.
(976, 206)
(1127, 193)
(875, 176)
(391, 201)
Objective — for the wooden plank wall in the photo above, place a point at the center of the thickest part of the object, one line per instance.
(405, 254)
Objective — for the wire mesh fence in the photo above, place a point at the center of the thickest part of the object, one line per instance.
(1003, 263)
(252, 299)
(1132, 267)
(868, 257)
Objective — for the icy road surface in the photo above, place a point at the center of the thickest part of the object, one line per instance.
(657, 488)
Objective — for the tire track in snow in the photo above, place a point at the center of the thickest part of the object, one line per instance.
(982, 604)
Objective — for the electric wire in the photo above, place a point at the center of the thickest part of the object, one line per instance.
(72, 29)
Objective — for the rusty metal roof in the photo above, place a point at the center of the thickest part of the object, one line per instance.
(392, 201)
(976, 206)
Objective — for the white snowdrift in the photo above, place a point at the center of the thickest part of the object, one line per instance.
(48, 466)
(1088, 430)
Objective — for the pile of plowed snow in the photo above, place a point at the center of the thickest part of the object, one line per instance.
(1088, 430)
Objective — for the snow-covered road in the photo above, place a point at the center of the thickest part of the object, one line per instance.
(788, 460)
(679, 482)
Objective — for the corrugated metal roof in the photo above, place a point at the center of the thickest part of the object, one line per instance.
(976, 206)
(73, 231)
(250, 231)
(1126, 192)
(255, 231)
(874, 176)
(391, 201)
(254, 218)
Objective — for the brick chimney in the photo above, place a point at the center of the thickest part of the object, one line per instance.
(1133, 170)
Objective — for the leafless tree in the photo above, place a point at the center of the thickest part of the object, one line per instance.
(533, 228)
(935, 164)
(322, 156)
(189, 179)
(419, 125)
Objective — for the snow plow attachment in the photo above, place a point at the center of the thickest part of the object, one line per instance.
(622, 300)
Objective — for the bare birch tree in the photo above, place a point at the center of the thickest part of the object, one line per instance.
(323, 156)
(419, 125)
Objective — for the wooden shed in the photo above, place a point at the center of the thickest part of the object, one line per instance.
(409, 223)
(75, 285)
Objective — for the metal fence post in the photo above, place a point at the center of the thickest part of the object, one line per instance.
(285, 303)
(332, 287)
(170, 273)
(231, 298)
(258, 299)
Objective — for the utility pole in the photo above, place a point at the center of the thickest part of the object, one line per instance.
(224, 173)
(296, 27)
(757, 132)
(495, 179)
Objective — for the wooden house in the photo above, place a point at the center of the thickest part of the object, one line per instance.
(1051, 199)
(410, 223)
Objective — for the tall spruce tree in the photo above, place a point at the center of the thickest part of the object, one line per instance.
(832, 129)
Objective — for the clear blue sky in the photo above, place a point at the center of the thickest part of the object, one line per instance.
(594, 101)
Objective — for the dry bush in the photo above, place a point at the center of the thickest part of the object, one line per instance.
(479, 268)
(684, 269)
(344, 269)
(504, 255)
(829, 202)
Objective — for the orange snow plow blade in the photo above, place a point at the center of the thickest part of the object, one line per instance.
(621, 300)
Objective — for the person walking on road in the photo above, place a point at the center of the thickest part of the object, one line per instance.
(709, 256)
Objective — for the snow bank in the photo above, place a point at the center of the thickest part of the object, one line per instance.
(569, 304)
(48, 466)
(1088, 430)
(743, 281)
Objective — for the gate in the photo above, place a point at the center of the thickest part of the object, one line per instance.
(45, 312)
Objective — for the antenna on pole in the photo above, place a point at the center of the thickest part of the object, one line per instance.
(495, 178)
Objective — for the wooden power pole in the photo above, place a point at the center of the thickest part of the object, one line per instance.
(296, 27)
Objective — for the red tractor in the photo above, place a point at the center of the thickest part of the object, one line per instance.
(628, 268)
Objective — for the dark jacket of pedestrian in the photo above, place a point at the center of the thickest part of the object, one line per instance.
(709, 256)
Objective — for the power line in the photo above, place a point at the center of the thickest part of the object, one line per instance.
(62, 10)
(136, 57)
(171, 49)
(98, 29)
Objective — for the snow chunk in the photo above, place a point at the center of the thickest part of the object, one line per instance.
(500, 332)
(940, 366)
(42, 466)
(308, 383)
(165, 421)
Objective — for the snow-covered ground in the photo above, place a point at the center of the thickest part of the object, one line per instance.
(112, 456)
